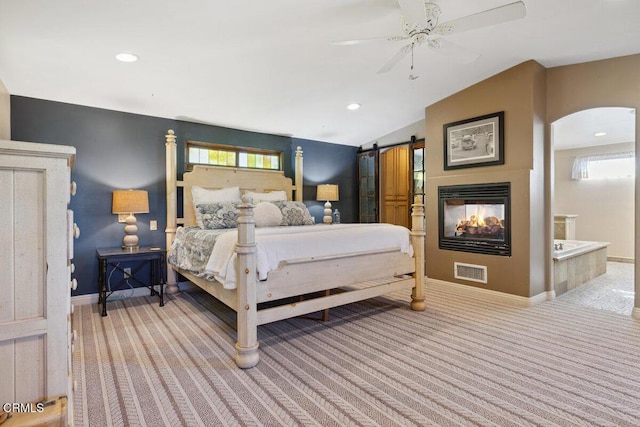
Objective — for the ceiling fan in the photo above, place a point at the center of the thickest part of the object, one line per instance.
(420, 26)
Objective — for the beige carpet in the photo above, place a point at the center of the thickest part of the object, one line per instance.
(461, 362)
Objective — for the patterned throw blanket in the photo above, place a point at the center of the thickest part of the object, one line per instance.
(191, 249)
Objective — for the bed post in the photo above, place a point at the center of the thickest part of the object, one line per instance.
(247, 315)
(298, 177)
(172, 210)
(417, 241)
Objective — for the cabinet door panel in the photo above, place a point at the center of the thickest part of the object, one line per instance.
(29, 261)
(7, 255)
(402, 214)
(402, 173)
(388, 164)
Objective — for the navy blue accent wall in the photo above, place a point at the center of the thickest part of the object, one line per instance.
(332, 164)
(117, 150)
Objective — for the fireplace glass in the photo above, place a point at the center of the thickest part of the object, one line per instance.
(475, 218)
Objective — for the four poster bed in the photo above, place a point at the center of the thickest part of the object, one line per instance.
(353, 274)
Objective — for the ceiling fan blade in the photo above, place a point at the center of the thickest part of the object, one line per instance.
(487, 18)
(404, 51)
(413, 12)
(452, 50)
(363, 41)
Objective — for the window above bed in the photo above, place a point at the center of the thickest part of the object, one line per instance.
(202, 153)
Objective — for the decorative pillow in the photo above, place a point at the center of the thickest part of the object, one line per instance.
(266, 214)
(212, 216)
(272, 196)
(202, 195)
(294, 213)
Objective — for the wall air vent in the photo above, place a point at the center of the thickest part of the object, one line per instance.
(474, 273)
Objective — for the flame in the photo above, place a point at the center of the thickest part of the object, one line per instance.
(474, 221)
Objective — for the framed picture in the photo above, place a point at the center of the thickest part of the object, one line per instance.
(474, 142)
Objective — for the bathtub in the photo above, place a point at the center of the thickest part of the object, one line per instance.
(572, 248)
(577, 262)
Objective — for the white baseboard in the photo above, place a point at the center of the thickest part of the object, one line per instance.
(488, 294)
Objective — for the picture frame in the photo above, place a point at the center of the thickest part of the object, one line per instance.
(474, 142)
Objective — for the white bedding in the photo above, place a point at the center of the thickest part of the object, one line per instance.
(278, 244)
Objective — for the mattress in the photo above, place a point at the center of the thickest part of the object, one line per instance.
(211, 253)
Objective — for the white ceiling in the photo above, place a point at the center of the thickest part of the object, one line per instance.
(579, 129)
(268, 66)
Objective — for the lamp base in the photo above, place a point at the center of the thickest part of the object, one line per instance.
(327, 219)
(130, 240)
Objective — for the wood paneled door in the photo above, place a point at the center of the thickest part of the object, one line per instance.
(396, 190)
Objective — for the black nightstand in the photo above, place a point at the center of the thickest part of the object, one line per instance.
(155, 258)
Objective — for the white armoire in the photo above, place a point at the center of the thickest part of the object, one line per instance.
(36, 249)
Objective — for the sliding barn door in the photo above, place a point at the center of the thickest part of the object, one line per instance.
(368, 186)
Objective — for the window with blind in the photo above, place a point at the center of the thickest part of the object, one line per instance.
(601, 166)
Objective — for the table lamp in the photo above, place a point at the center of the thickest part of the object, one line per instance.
(130, 202)
(329, 193)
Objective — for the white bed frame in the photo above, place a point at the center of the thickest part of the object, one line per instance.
(359, 275)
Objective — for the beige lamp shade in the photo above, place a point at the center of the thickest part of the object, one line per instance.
(130, 201)
(327, 192)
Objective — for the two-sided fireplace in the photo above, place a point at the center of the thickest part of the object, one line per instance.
(475, 218)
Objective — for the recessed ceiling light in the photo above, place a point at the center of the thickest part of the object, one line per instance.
(127, 57)
(599, 134)
(353, 106)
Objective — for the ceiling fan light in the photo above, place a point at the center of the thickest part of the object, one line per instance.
(353, 106)
(126, 57)
(599, 134)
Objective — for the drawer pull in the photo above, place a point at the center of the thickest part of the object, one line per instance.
(72, 268)
(76, 230)
(74, 284)
(74, 188)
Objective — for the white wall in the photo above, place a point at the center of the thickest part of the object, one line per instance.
(605, 208)
(416, 129)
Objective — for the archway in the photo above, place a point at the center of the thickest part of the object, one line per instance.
(593, 207)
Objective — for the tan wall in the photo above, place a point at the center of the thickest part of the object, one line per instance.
(5, 116)
(520, 93)
(612, 82)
